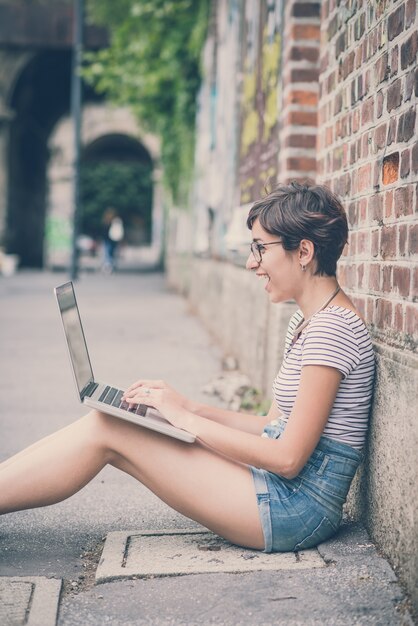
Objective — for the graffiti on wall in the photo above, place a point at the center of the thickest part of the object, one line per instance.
(260, 97)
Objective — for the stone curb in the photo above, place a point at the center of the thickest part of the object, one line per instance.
(36, 598)
(140, 554)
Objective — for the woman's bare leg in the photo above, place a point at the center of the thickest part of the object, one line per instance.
(193, 479)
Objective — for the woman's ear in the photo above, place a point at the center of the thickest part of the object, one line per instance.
(306, 252)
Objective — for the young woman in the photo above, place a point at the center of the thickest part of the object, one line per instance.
(274, 482)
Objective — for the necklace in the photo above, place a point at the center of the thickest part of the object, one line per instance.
(303, 323)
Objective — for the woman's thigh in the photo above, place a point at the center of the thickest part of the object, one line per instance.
(193, 479)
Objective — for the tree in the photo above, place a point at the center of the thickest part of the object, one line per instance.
(153, 65)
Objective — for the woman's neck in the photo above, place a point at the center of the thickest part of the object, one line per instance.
(314, 293)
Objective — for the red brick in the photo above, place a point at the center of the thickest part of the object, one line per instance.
(409, 50)
(306, 9)
(358, 57)
(301, 141)
(406, 125)
(391, 131)
(306, 31)
(390, 168)
(402, 280)
(301, 163)
(402, 237)
(375, 242)
(411, 6)
(381, 68)
(352, 243)
(363, 242)
(364, 177)
(304, 75)
(304, 53)
(352, 214)
(365, 146)
(388, 203)
(388, 242)
(414, 291)
(305, 98)
(394, 95)
(379, 104)
(405, 163)
(302, 118)
(379, 138)
(396, 22)
(386, 278)
(403, 201)
(398, 318)
(383, 313)
(413, 239)
(408, 86)
(367, 111)
(369, 310)
(411, 319)
(360, 275)
(376, 207)
(359, 26)
(394, 62)
(362, 211)
(374, 277)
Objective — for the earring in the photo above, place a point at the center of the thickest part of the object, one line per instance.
(303, 267)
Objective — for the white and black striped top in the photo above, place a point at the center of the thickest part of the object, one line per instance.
(338, 338)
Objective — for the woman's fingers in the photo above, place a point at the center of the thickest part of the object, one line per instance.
(152, 384)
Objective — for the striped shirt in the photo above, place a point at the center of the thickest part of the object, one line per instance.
(338, 338)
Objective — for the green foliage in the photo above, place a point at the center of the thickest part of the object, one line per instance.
(126, 187)
(254, 402)
(153, 65)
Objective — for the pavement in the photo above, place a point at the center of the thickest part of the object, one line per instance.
(113, 553)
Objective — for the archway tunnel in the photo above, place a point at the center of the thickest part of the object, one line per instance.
(117, 173)
(41, 96)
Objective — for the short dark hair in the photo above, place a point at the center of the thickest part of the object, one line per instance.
(305, 211)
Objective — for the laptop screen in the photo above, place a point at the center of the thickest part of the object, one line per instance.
(75, 336)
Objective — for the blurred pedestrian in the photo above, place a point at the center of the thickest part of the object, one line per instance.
(114, 233)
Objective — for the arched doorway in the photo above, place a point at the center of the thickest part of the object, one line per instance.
(40, 97)
(117, 172)
(116, 154)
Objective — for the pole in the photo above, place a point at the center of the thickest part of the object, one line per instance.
(76, 117)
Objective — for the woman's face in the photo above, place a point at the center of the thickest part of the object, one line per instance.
(278, 267)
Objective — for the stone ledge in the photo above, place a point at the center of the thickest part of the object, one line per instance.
(140, 554)
(29, 600)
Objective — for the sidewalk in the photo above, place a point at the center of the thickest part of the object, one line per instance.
(136, 328)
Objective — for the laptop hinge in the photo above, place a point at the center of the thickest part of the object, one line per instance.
(89, 389)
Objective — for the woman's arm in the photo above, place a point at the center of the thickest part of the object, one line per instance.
(234, 419)
(285, 456)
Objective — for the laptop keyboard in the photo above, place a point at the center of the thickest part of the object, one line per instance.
(113, 397)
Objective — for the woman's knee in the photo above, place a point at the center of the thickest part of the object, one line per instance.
(98, 429)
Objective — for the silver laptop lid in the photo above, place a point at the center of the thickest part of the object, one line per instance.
(74, 334)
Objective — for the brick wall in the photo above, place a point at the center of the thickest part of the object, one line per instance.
(368, 153)
(299, 84)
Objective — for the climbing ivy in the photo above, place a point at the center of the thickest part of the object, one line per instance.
(153, 65)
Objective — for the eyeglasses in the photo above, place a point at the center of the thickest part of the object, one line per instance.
(258, 248)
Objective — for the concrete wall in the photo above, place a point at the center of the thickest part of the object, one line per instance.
(235, 308)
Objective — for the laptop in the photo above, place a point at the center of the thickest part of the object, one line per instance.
(93, 393)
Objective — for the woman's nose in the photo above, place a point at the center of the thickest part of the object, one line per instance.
(251, 263)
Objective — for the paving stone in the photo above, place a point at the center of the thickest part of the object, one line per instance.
(178, 552)
(29, 601)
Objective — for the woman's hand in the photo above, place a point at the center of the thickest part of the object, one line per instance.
(156, 393)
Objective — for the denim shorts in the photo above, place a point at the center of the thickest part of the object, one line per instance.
(302, 512)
